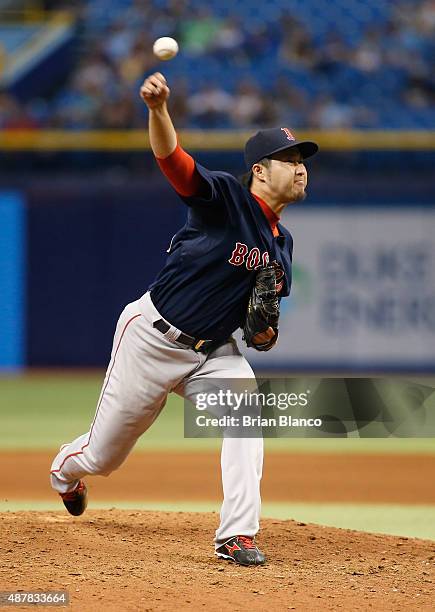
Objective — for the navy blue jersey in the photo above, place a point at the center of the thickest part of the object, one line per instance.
(204, 288)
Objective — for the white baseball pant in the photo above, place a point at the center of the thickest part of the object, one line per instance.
(145, 366)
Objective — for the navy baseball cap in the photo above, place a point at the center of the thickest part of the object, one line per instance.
(266, 143)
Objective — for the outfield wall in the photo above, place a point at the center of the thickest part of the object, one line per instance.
(88, 243)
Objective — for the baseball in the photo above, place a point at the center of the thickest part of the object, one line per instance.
(165, 48)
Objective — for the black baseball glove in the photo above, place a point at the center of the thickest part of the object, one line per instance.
(263, 309)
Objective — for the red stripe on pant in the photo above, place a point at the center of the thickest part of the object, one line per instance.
(80, 452)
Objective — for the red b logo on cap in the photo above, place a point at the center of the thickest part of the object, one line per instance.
(288, 134)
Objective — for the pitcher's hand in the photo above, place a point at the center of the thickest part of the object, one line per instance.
(154, 91)
(264, 337)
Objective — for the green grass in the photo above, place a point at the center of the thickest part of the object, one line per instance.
(44, 410)
(411, 521)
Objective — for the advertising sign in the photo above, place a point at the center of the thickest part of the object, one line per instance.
(363, 294)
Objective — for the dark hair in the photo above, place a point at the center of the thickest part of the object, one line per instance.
(246, 179)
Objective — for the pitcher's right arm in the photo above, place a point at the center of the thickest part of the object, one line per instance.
(177, 165)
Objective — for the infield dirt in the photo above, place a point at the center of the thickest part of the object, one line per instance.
(173, 476)
(126, 560)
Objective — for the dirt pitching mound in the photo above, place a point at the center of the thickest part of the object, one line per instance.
(138, 560)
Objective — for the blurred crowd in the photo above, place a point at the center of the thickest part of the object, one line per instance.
(232, 74)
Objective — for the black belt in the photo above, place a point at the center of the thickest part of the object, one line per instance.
(196, 344)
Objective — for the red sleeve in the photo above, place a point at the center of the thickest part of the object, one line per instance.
(180, 170)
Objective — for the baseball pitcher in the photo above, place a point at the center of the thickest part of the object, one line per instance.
(228, 267)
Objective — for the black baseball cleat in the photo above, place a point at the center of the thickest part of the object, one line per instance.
(76, 501)
(242, 550)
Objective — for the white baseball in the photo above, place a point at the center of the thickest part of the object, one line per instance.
(165, 48)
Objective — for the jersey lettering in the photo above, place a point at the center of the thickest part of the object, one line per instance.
(253, 259)
(239, 254)
(279, 276)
